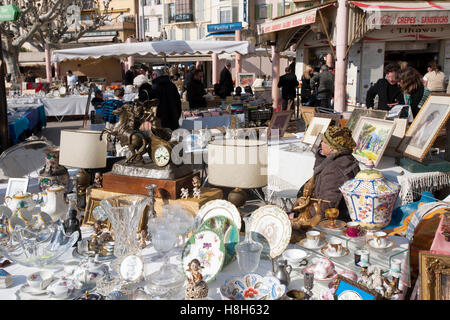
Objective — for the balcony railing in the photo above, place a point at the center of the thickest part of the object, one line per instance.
(181, 17)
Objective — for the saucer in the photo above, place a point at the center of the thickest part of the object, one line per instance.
(362, 233)
(26, 288)
(311, 269)
(324, 251)
(326, 224)
(303, 243)
(371, 244)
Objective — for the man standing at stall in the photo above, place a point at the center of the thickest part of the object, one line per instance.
(288, 84)
(226, 81)
(169, 108)
(324, 82)
(388, 91)
(196, 91)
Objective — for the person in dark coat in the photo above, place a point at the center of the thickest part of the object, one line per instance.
(288, 84)
(129, 75)
(169, 108)
(189, 76)
(334, 165)
(196, 91)
(324, 82)
(226, 81)
(388, 92)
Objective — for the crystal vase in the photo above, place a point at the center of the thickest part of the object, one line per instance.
(124, 213)
(248, 251)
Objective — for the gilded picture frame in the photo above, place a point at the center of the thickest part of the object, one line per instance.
(357, 113)
(434, 276)
(280, 120)
(307, 114)
(88, 219)
(425, 128)
(347, 289)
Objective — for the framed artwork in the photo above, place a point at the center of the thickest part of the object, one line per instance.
(317, 126)
(246, 79)
(426, 126)
(434, 274)
(357, 113)
(347, 289)
(372, 137)
(279, 121)
(16, 185)
(95, 212)
(307, 114)
(335, 117)
(316, 145)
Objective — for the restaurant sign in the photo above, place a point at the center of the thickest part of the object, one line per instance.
(292, 21)
(389, 18)
(406, 33)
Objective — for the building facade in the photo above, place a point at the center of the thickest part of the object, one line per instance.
(151, 19)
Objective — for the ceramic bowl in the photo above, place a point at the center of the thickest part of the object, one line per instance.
(252, 287)
(40, 280)
(323, 267)
(294, 256)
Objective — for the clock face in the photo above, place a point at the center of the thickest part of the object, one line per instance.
(349, 295)
(162, 156)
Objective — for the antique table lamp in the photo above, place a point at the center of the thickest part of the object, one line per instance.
(237, 163)
(82, 149)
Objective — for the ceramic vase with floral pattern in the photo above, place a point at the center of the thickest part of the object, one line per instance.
(370, 198)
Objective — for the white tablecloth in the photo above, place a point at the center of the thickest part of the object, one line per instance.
(153, 263)
(66, 106)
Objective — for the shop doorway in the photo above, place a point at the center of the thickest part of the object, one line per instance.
(416, 59)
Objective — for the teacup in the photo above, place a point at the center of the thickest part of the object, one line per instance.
(313, 238)
(323, 268)
(295, 257)
(353, 229)
(40, 280)
(61, 289)
(361, 256)
(380, 239)
(335, 247)
(396, 266)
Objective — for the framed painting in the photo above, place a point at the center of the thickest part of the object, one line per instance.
(94, 212)
(317, 126)
(357, 113)
(347, 289)
(279, 122)
(307, 114)
(434, 274)
(426, 126)
(16, 185)
(246, 79)
(335, 117)
(372, 137)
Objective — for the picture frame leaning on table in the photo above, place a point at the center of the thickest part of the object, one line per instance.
(16, 185)
(425, 128)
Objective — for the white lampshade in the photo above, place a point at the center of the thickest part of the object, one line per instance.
(237, 163)
(82, 149)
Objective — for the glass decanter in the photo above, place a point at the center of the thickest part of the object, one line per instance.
(248, 252)
(168, 280)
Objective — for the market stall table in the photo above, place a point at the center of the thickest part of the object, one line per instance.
(66, 106)
(25, 119)
(211, 122)
(152, 263)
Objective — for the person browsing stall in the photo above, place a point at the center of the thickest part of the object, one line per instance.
(414, 92)
(196, 91)
(324, 82)
(388, 91)
(72, 79)
(288, 84)
(110, 105)
(226, 81)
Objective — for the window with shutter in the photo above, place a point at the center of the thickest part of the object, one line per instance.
(236, 14)
(166, 13)
(257, 17)
(279, 9)
(292, 7)
(199, 10)
(269, 11)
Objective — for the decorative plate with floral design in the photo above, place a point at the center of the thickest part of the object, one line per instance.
(227, 230)
(252, 287)
(273, 224)
(215, 208)
(207, 247)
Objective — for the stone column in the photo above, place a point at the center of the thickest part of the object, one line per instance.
(275, 77)
(238, 58)
(340, 77)
(215, 68)
(48, 64)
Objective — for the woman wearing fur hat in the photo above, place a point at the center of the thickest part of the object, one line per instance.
(334, 165)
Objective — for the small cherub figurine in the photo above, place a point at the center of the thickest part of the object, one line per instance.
(365, 278)
(377, 281)
(72, 224)
(196, 287)
(97, 229)
(184, 193)
(196, 184)
(142, 243)
(98, 180)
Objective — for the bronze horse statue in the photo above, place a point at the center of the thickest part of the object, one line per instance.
(128, 135)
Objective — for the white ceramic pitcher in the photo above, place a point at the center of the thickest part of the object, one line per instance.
(54, 203)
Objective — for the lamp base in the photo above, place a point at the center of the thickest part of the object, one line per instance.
(238, 197)
(83, 181)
